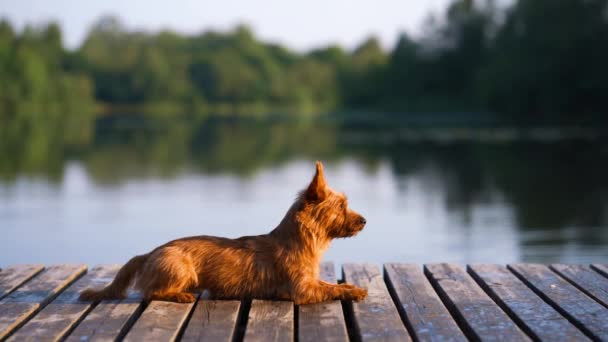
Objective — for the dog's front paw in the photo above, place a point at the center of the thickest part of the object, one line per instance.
(185, 298)
(358, 294)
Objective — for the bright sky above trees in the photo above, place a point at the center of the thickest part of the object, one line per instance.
(300, 25)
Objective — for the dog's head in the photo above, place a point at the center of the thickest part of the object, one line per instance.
(326, 211)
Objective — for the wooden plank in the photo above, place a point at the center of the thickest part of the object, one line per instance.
(588, 281)
(587, 314)
(54, 321)
(270, 321)
(478, 315)
(108, 321)
(213, 320)
(602, 269)
(14, 276)
(24, 302)
(419, 305)
(375, 318)
(160, 321)
(532, 313)
(323, 321)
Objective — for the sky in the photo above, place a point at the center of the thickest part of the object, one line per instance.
(300, 25)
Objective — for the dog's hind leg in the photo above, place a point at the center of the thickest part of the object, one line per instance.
(168, 276)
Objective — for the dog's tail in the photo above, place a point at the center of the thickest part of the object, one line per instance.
(118, 288)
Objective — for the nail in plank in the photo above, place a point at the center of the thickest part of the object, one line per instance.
(587, 280)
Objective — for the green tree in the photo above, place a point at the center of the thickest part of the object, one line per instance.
(548, 62)
(364, 74)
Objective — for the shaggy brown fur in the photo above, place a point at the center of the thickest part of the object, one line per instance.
(283, 264)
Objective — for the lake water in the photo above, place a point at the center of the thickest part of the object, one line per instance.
(428, 196)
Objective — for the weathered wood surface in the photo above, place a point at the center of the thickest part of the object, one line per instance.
(160, 321)
(24, 302)
(602, 269)
(478, 314)
(538, 318)
(270, 321)
(419, 305)
(213, 320)
(323, 321)
(443, 303)
(587, 314)
(108, 321)
(592, 283)
(59, 317)
(375, 318)
(14, 276)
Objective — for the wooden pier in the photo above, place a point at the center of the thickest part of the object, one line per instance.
(435, 302)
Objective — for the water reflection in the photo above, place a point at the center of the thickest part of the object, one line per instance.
(138, 184)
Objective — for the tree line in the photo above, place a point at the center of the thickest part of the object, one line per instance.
(531, 61)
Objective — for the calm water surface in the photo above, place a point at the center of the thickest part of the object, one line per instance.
(425, 201)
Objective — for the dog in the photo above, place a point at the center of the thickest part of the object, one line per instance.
(283, 264)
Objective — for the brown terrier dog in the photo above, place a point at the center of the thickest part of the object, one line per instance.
(283, 264)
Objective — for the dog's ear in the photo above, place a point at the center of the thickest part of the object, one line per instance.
(317, 190)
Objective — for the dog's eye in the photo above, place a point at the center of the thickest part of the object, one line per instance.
(342, 206)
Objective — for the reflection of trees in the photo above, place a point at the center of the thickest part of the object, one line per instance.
(554, 185)
(136, 148)
(455, 165)
(549, 185)
(245, 146)
(31, 149)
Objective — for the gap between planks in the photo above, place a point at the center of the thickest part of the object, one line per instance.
(384, 298)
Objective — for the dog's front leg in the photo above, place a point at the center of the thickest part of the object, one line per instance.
(343, 285)
(349, 291)
(321, 291)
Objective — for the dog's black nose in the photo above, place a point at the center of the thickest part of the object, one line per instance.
(362, 220)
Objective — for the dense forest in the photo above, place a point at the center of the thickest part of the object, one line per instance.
(532, 61)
